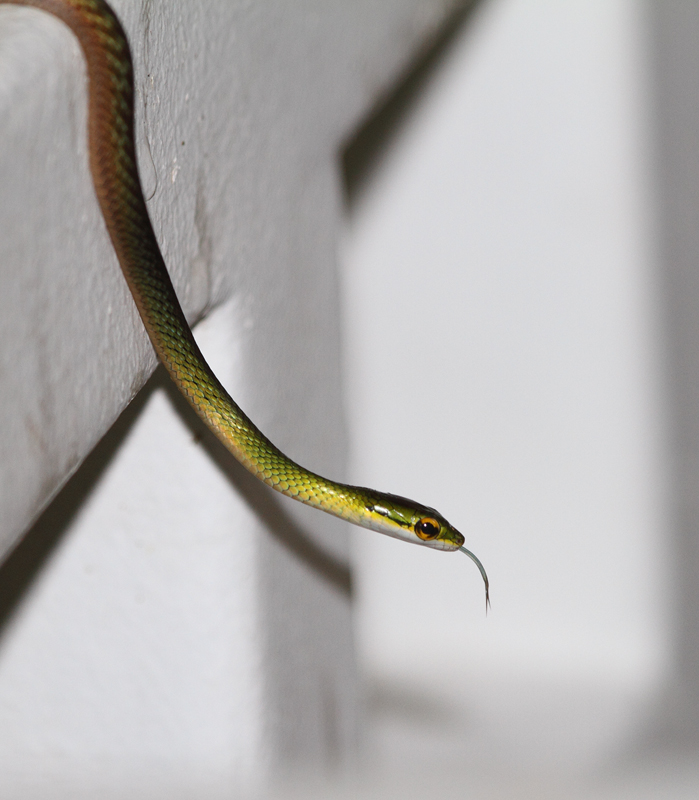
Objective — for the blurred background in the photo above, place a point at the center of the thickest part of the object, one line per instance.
(520, 351)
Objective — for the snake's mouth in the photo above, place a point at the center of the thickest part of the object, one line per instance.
(449, 539)
(457, 539)
(448, 545)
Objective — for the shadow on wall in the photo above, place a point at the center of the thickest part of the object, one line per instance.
(35, 548)
(674, 41)
(363, 153)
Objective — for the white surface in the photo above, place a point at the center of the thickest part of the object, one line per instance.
(503, 365)
(241, 109)
(141, 638)
(171, 628)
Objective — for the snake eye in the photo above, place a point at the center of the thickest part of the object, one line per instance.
(427, 528)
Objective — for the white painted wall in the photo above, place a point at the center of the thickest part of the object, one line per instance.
(168, 627)
(503, 363)
(503, 341)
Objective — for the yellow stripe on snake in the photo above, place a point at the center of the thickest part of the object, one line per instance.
(118, 188)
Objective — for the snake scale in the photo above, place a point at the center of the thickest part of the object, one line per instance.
(116, 180)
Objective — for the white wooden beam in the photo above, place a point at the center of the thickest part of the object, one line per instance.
(184, 632)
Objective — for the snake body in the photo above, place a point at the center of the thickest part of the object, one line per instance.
(117, 185)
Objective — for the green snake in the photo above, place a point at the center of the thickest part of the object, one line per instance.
(118, 188)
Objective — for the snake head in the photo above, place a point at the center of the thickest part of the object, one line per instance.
(407, 520)
(410, 521)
